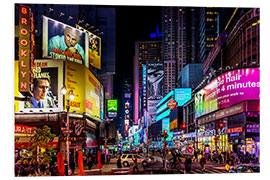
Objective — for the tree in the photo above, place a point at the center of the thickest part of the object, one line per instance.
(39, 152)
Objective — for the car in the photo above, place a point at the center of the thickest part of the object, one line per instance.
(126, 160)
(245, 168)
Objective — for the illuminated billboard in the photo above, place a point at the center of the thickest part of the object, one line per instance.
(227, 89)
(101, 102)
(166, 126)
(94, 48)
(74, 80)
(92, 94)
(112, 105)
(182, 95)
(155, 74)
(61, 41)
(48, 78)
(86, 89)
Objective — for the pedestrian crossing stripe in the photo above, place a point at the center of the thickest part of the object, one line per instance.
(210, 171)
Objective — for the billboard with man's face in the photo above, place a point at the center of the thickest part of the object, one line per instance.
(61, 41)
(46, 94)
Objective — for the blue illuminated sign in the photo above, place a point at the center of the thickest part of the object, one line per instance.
(182, 95)
(156, 35)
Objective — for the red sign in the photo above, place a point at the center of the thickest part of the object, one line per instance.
(172, 104)
(21, 129)
(235, 130)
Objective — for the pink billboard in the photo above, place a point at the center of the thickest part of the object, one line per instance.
(227, 89)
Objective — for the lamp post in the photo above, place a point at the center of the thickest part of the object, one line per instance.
(70, 96)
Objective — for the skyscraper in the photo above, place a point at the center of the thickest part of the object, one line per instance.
(178, 42)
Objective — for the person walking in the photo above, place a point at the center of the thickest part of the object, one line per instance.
(135, 164)
(119, 164)
(203, 162)
(188, 163)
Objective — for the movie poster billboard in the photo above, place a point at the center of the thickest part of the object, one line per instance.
(94, 48)
(46, 94)
(61, 41)
(228, 89)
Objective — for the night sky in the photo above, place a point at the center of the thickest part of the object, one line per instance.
(133, 23)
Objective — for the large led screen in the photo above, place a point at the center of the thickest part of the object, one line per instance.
(182, 95)
(61, 41)
(227, 89)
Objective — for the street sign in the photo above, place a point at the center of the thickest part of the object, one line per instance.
(172, 104)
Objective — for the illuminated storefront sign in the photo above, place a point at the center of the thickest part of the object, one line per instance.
(253, 128)
(235, 130)
(22, 130)
(228, 89)
(25, 49)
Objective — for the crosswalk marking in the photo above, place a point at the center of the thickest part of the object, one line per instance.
(208, 171)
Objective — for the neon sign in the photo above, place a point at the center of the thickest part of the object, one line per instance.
(25, 49)
(156, 35)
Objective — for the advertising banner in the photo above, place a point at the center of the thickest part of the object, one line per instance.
(166, 126)
(155, 76)
(94, 44)
(61, 41)
(112, 105)
(182, 95)
(92, 95)
(94, 50)
(227, 89)
(46, 89)
(75, 81)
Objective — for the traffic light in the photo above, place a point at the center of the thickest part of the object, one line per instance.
(221, 125)
(183, 126)
(165, 135)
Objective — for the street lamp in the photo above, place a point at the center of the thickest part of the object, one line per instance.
(70, 96)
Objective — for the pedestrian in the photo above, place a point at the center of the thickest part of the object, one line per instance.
(196, 155)
(188, 163)
(119, 164)
(203, 162)
(72, 164)
(90, 161)
(135, 164)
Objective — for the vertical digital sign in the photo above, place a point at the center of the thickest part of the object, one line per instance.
(25, 53)
(144, 91)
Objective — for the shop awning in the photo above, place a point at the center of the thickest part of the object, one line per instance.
(91, 141)
(24, 142)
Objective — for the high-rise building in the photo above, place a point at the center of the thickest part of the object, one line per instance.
(145, 52)
(208, 30)
(178, 42)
